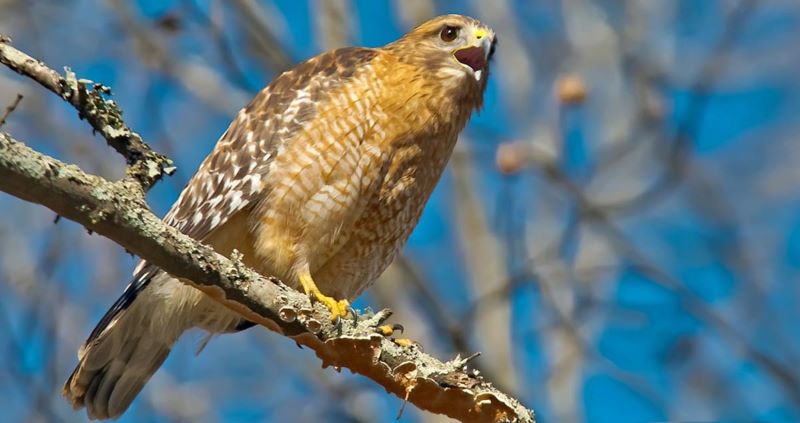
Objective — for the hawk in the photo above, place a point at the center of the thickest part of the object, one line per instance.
(318, 181)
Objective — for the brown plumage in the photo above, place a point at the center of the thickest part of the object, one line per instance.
(318, 181)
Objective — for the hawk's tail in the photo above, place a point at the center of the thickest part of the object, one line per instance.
(122, 353)
(134, 338)
(113, 371)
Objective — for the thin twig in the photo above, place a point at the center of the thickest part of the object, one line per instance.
(10, 109)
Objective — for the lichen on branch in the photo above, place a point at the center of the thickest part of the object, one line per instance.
(89, 99)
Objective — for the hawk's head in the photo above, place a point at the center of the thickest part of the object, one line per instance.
(454, 48)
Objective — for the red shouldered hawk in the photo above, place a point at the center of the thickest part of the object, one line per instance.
(318, 181)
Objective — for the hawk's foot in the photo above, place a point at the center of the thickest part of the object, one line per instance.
(339, 308)
(405, 342)
(389, 330)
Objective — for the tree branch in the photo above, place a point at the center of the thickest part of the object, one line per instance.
(118, 211)
(144, 164)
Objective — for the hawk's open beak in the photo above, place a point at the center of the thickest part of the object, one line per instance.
(477, 55)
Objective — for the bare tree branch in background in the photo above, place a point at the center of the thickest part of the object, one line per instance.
(202, 81)
(256, 23)
(10, 109)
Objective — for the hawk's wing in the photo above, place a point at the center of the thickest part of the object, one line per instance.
(232, 177)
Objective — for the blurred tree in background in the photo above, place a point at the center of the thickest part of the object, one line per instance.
(618, 232)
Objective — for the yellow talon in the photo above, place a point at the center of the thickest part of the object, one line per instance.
(340, 308)
(404, 342)
(389, 330)
(385, 330)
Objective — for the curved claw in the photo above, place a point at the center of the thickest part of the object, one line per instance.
(352, 312)
(389, 330)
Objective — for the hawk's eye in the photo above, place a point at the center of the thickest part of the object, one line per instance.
(449, 33)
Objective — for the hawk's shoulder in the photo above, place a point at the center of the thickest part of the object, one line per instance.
(340, 64)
